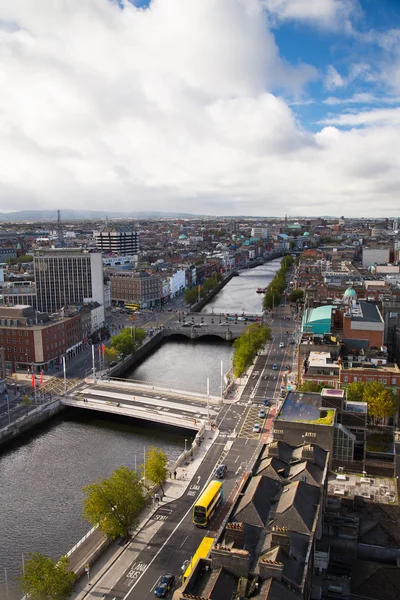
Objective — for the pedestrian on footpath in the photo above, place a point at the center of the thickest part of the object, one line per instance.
(174, 474)
(157, 498)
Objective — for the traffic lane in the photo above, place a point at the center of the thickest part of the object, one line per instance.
(228, 419)
(154, 395)
(184, 542)
(146, 563)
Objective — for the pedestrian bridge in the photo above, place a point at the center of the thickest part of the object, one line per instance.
(145, 403)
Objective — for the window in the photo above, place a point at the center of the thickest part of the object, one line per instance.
(346, 378)
(394, 380)
(278, 431)
(310, 434)
(385, 381)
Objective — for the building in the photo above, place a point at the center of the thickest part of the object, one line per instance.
(377, 256)
(260, 232)
(19, 292)
(138, 287)
(3, 380)
(34, 341)
(363, 325)
(317, 320)
(66, 277)
(117, 239)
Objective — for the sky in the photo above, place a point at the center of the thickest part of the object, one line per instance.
(219, 107)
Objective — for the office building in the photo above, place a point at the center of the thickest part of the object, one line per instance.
(67, 276)
(142, 288)
(119, 240)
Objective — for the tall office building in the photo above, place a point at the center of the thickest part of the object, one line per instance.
(123, 241)
(67, 276)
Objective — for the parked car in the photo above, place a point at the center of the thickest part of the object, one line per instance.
(267, 402)
(281, 345)
(256, 428)
(261, 413)
(164, 584)
(221, 471)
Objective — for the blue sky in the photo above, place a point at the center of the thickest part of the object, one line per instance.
(261, 107)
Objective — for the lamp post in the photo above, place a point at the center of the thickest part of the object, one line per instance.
(208, 399)
(185, 445)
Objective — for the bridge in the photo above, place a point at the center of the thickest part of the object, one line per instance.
(194, 326)
(174, 408)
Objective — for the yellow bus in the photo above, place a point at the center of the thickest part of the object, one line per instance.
(201, 552)
(131, 306)
(208, 503)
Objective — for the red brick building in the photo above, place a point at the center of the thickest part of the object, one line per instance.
(32, 339)
(3, 383)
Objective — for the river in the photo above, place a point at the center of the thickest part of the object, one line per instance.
(42, 477)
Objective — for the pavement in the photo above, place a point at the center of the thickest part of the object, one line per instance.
(150, 518)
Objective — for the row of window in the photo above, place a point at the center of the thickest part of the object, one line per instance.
(384, 380)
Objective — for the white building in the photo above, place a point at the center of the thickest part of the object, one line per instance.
(377, 256)
(177, 282)
(117, 261)
(67, 276)
(97, 317)
(260, 232)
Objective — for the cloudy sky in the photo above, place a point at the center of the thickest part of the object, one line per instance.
(257, 107)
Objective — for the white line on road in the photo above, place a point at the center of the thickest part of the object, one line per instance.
(184, 541)
(237, 458)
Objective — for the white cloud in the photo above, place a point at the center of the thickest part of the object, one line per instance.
(334, 80)
(386, 116)
(171, 108)
(329, 14)
(362, 98)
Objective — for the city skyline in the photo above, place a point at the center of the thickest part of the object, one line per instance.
(228, 107)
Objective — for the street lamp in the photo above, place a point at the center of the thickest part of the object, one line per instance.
(185, 445)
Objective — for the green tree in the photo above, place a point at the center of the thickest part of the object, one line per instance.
(25, 400)
(272, 299)
(156, 466)
(191, 295)
(45, 579)
(296, 295)
(110, 354)
(355, 391)
(247, 345)
(209, 284)
(381, 400)
(25, 258)
(114, 504)
(128, 340)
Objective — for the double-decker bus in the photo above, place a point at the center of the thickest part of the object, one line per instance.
(207, 503)
(201, 552)
(131, 306)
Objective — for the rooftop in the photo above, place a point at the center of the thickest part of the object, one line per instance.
(305, 407)
(378, 489)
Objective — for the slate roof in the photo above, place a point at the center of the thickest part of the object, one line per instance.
(292, 568)
(269, 467)
(375, 581)
(255, 504)
(296, 507)
(271, 589)
(306, 469)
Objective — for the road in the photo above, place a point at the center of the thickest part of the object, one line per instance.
(170, 537)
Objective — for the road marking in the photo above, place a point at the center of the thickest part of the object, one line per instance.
(184, 541)
(237, 458)
(134, 583)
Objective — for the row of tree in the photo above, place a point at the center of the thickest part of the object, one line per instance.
(192, 294)
(382, 401)
(247, 345)
(125, 343)
(114, 505)
(273, 295)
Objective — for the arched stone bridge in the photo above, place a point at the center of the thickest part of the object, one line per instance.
(228, 333)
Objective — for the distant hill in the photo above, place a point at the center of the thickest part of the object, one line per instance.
(78, 215)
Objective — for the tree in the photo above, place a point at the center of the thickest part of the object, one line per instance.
(44, 579)
(128, 340)
(209, 284)
(381, 401)
(25, 400)
(272, 299)
(247, 345)
(110, 354)
(25, 258)
(114, 504)
(156, 466)
(355, 391)
(296, 295)
(191, 295)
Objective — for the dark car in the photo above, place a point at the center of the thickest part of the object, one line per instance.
(221, 471)
(266, 402)
(164, 584)
(274, 367)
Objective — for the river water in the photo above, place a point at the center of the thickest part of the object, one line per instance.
(41, 478)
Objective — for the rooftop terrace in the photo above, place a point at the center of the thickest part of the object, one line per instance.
(305, 407)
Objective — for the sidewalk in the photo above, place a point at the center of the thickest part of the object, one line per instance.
(173, 489)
